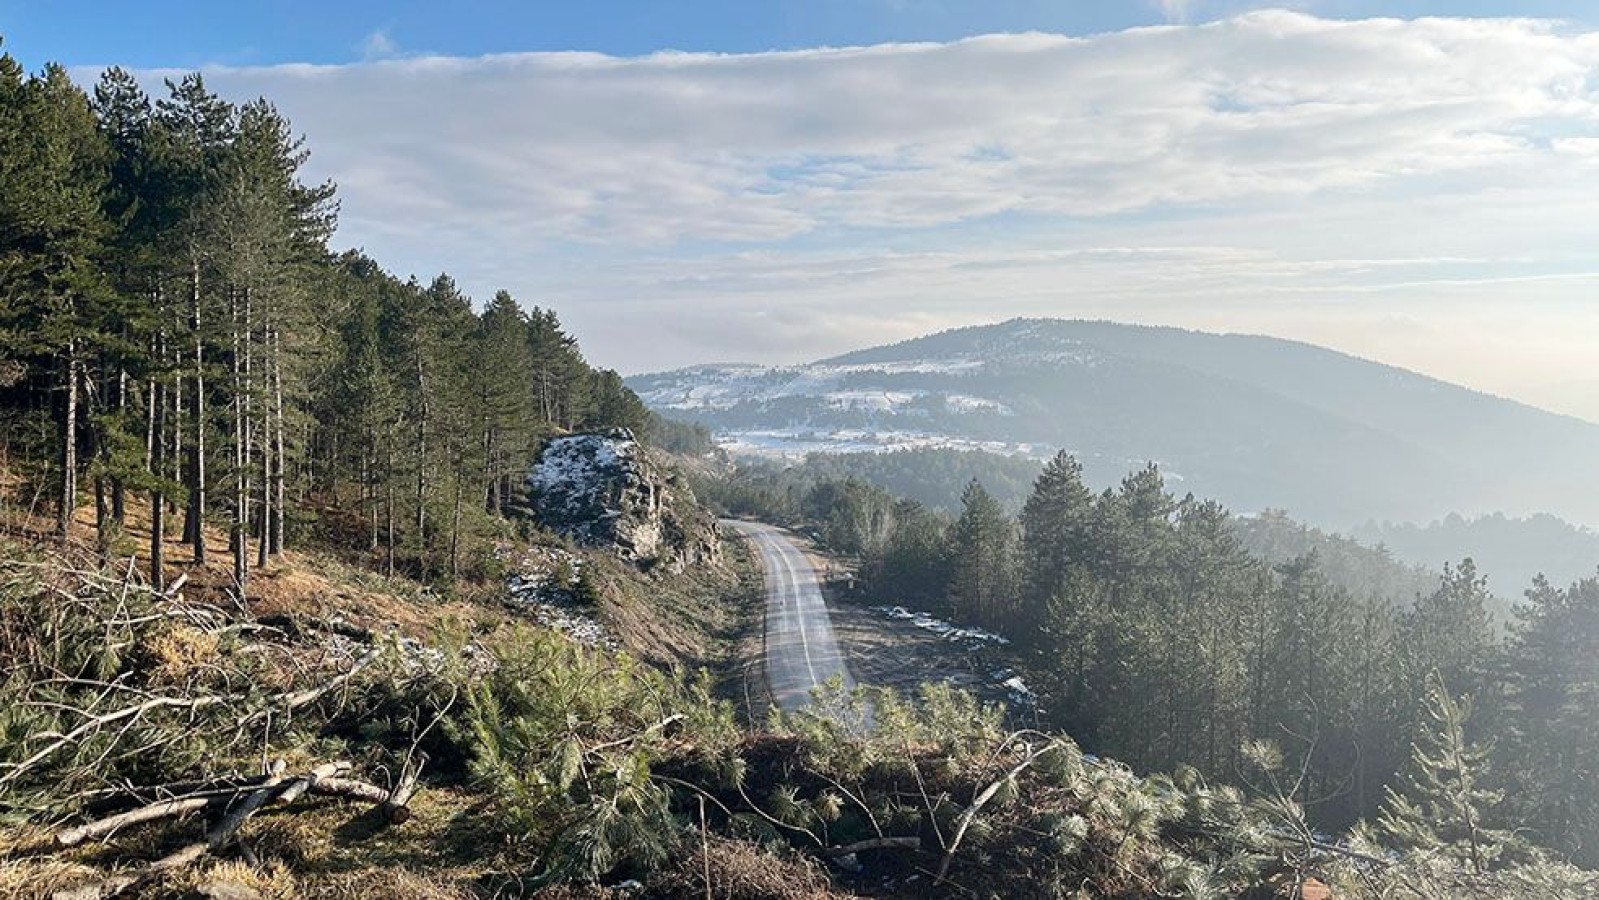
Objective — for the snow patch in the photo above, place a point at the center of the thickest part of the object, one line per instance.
(945, 630)
(870, 401)
(798, 442)
(544, 584)
(966, 403)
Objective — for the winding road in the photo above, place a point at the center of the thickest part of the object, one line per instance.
(801, 649)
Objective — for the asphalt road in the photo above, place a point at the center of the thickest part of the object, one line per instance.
(801, 649)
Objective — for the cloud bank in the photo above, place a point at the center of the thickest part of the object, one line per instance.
(1271, 171)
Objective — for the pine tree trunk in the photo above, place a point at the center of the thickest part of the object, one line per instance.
(247, 417)
(194, 522)
(102, 454)
(150, 429)
(279, 504)
(69, 441)
(455, 528)
(491, 486)
(388, 567)
(241, 483)
(102, 515)
(119, 490)
(264, 508)
(369, 494)
(174, 457)
(421, 467)
(156, 443)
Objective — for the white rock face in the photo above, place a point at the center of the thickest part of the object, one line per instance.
(602, 490)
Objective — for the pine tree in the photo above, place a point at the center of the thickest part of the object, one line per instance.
(614, 405)
(911, 567)
(981, 554)
(1055, 533)
(52, 230)
(1440, 803)
(501, 375)
(1451, 630)
(560, 377)
(1550, 757)
(190, 134)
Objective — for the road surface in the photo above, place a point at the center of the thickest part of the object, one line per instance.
(801, 649)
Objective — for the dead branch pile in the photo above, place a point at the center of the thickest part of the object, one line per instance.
(226, 805)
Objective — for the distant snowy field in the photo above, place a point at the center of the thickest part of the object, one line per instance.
(723, 387)
(814, 398)
(796, 443)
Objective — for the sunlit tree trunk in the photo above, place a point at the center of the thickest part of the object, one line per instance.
(194, 522)
(69, 439)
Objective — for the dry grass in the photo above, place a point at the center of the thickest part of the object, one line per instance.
(38, 878)
(270, 880)
(386, 884)
(696, 619)
(177, 651)
(739, 870)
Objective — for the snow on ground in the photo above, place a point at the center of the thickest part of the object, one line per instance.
(544, 582)
(905, 367)
(1005, 680)
(967, 403)
(576, 458)
(798, 442)
(870, 401)
(945, 630)
(723, 387)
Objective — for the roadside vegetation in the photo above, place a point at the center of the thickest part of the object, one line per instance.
(1153, 635)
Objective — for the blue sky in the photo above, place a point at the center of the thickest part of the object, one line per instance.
(183, 33)
(1415, 190)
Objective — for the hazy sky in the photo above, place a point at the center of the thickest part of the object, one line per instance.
(1423, 191)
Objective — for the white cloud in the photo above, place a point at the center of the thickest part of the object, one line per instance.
(767, 146)
(1176, 11)
(930, 183)
(378, 45)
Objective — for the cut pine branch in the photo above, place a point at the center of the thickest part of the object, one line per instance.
(238, 806)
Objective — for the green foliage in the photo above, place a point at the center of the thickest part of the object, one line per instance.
(1548, 759)
(981, 551)
(565, 740)
(1361, 570)
(1439, 804)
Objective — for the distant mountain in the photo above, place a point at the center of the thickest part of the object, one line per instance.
(1254, 422)
(1510, 551)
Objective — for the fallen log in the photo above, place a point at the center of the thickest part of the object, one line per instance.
(112, 824)
(239, 806)
(882, 843)
(393, 804)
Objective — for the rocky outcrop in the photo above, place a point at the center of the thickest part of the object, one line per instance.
(603, 490)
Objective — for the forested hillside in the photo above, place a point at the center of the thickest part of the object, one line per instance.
(1253, 422)
(1515, 550)
(174, 326)
(1156, 637)
(1394, 561)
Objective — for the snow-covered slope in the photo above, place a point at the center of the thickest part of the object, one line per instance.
(1255, 422)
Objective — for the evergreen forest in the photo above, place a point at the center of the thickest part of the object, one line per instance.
(174, 325)
(1158, 638)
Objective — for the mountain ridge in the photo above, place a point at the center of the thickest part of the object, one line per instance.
(1246, 419)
